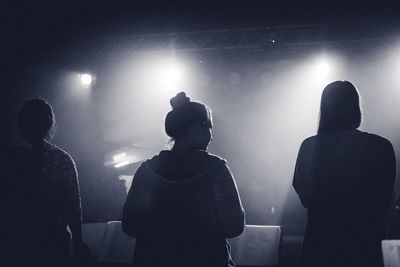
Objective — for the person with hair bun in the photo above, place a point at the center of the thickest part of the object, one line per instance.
(39, 195)
(183, 203)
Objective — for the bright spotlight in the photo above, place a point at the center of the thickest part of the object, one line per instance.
(323, 69)
(172, 76)
(86, 79)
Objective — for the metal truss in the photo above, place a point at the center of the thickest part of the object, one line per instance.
(239, 39)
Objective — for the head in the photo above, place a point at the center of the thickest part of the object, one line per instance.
(35, 121)
(340, 108)
(189, 123)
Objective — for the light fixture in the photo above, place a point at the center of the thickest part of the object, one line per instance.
(85, 79)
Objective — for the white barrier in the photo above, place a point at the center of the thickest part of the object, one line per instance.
(93, 234)
(117, 247)
(391, 253)
(258, 245)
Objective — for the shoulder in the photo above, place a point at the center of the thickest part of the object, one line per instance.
(220, 168)
(308, 142)
(357, 134)
(310, 139)
(377, 139)
(60, 154)
(57, 150)
(376, 142)
(146, 165)
(216, 159)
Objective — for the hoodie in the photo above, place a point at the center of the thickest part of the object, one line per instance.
(181, 207)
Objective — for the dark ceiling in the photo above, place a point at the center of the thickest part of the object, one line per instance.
(31, 27)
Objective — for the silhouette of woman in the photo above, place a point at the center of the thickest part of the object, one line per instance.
(345, 178)
(39, 195)
(183, 203)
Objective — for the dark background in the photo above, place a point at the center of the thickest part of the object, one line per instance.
(31, 29)
(251, 128)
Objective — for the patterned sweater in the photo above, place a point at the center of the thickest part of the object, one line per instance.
(39, 197)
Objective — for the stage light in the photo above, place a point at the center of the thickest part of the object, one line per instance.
(172, 75)
(323, 69)
(86, 79)
(122, 163)
(119, 157)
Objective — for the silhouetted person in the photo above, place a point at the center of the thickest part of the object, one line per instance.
(183, 203)
(39, 195)
(345, 178)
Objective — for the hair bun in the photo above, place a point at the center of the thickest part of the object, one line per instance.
(179, 100)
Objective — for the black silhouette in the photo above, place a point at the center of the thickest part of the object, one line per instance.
(39, 195)
(183, 203)
(345, 178)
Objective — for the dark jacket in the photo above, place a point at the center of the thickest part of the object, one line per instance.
(345, 180)
(181, 207)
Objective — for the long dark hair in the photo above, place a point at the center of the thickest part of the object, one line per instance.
(340, 108)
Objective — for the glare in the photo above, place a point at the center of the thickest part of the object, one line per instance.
(86, 79)
(119, 157)
(172, 75)
(323, 69)
(326, 68)
(122, 163)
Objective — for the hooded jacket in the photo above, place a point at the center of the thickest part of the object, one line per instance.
(181, 207)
